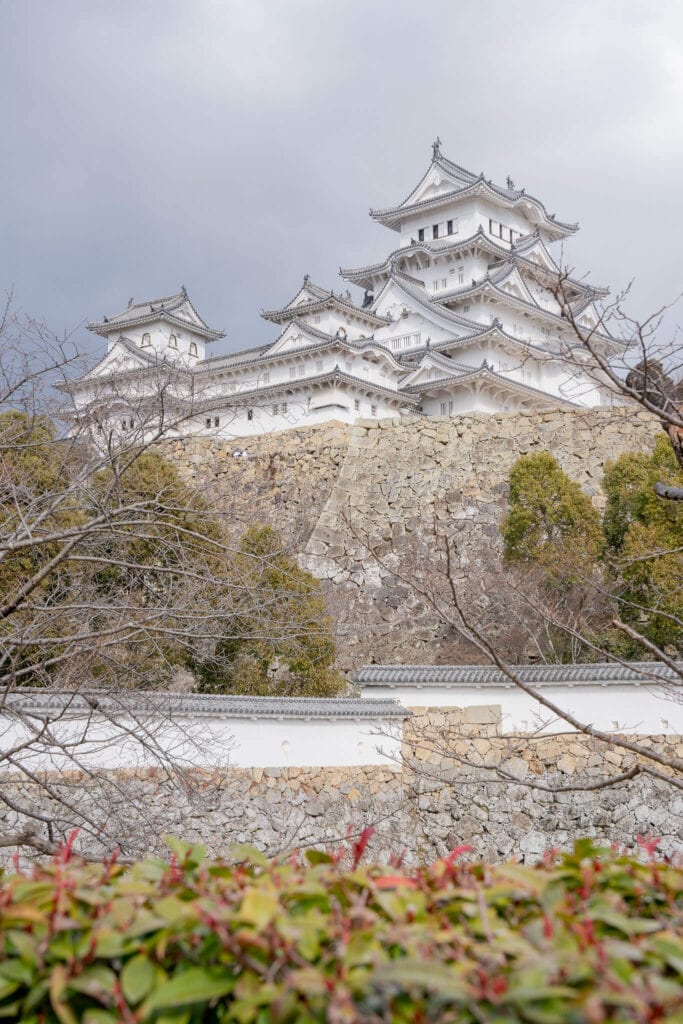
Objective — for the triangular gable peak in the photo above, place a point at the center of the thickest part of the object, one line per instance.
(173, 309)
(512, 282)
(122, 357)
(296, 335)
(533, 248)
(408, 304)
(308, 292)
(441, 177)
(587, 316)
(431, 367)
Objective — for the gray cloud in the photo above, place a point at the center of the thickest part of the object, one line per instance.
(233, 146)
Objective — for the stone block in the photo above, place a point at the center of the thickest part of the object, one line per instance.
(482, 714)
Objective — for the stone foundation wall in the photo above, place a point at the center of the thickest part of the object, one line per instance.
(336, 491)
(448, 788)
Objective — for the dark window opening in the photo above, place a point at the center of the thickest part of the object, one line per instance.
(250, 414)
(449, 227)
(435, 231)
(421, 235)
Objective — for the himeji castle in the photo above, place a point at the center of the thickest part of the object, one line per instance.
(458, 318)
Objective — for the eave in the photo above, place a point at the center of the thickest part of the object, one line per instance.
(393, 217)
(105, 328)
(279, 316)
(500, 380)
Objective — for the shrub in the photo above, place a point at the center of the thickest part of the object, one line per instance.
(551, 522)
(591, 936)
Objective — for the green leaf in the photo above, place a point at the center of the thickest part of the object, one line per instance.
(100, 1017)
(96, 981)
(137, 978)
(408, 973)
(259, 907)
(627, 925)
(318, 857)
(25, 945)
(242, 853)
(195, 985)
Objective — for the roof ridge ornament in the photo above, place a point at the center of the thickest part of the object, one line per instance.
(183, 291)
(436, 149)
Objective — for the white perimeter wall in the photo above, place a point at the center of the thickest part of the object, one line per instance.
(638, 709)
(204, 741)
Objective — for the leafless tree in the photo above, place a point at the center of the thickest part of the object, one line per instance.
(643, 373)
(115, 575)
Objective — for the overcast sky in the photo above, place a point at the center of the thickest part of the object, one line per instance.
(234, 145)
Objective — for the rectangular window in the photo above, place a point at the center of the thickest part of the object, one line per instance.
(435, 286)
(443, 282)
(356, 405)
(461, 276)
(443, 408)
(450, 407)
(466, 308)
(283, 408)
(216, 421)
(302, 370)
(449, 227)
(250, 414)
(292, 372)
(421, 235)
(435, 231)
(373, 410)
(265, 376)
(316, 319)
(276, 409)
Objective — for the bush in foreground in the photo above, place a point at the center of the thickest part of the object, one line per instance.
(589, 936)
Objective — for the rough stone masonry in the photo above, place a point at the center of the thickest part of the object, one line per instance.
(335, 493)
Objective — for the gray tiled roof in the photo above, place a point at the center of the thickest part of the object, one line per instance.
(603, 673)
(43, 702)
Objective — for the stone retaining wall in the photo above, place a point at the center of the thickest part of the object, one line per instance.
(333, 491)
(448, 788)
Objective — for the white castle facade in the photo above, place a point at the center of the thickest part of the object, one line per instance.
(458, 318)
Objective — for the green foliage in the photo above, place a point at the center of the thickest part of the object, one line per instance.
(550, 522)
(281, 641)
(636, 546)
(590, 936)
(644, 535)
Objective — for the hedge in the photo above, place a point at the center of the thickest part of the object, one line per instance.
(593, 935)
